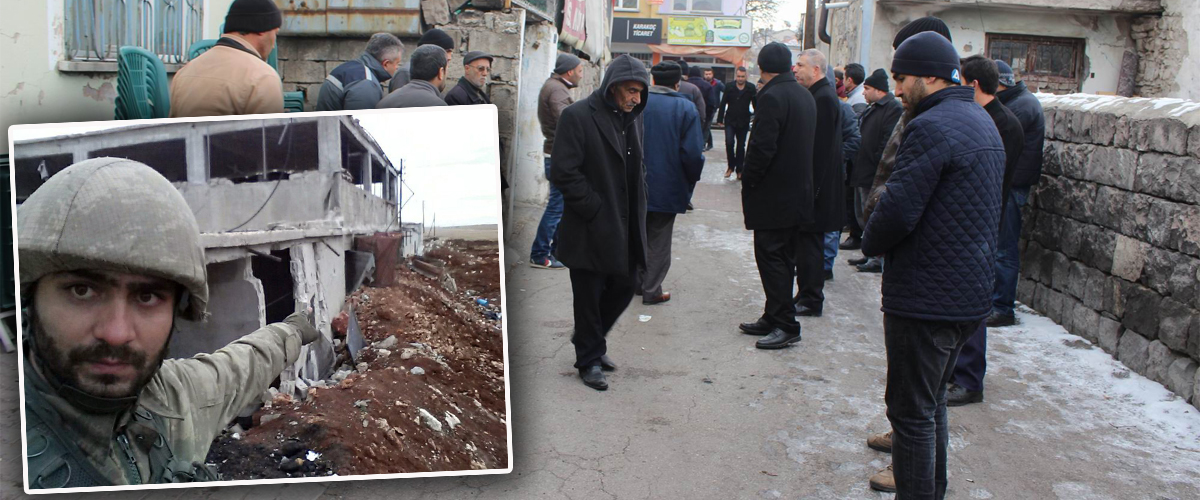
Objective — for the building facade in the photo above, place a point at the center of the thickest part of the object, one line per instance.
(713, 34)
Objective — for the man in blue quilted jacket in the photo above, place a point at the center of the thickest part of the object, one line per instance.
(937, 222)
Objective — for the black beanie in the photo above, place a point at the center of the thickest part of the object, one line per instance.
(683, 67)
(775, 58)
(695, 71)
(878, 80)
(253, 16)
(927, 54)
(928, 23)
(666, 73)
(436, 37)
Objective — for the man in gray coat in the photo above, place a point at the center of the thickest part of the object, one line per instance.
(428, 71)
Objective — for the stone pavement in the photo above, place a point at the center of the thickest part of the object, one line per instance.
(696, 412)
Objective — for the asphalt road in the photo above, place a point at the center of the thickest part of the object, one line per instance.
(696, 412)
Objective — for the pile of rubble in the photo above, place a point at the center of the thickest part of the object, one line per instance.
(425, 393)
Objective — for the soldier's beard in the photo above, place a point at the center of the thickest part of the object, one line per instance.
(68, 366)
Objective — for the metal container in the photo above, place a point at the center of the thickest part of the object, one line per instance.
(351, 17)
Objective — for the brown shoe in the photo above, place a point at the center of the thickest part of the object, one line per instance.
(728, 172)
(884, 481)
(881, 441)
(649, 301)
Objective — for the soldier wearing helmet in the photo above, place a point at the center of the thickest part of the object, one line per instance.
(109, 256)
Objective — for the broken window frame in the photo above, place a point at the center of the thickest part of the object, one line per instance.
(1029, 64)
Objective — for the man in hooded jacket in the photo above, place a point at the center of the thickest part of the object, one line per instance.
(777, 190)
(597, 165)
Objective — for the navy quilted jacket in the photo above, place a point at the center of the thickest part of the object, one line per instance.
(938, 220)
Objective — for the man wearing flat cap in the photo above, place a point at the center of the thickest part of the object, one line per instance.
(777, 190)
(472, 87)
(554, 97)
(233, 77)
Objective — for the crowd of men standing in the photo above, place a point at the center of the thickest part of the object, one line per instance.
(930, 178)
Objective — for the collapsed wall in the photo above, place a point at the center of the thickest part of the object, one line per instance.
(1111, 236)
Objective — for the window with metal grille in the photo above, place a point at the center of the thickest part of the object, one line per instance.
(626, 5)
(96, 29)
(1038, 56)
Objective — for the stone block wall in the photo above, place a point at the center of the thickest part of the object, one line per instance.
(1111, 237)
(1162, 42)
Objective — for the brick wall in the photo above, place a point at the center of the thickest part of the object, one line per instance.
(1111, 239)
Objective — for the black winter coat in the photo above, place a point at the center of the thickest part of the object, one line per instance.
(777, 189)
(1028, 109)
(939, 218)
(706, 90)
(597, 165)
(876, 125)
(464, 94)
(735, 105)
(1014, 140)
(828, 164)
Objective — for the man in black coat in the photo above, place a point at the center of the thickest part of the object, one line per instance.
(1028, 110)
(472, 87)
(710, 101)
(876, 126)
(827, 180)
(597, 165)
(734, 114)
(966, 385)
(777, 190)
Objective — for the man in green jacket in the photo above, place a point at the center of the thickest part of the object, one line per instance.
(110, 256)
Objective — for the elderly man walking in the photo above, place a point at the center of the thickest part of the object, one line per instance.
(674, 158)
(777, 190)
(943, 193)
(597, 165)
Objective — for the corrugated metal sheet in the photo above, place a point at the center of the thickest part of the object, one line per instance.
(351, 17)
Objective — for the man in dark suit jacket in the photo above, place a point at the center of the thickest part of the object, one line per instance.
(777, 190)
(597, 165)
(734, 113)
(827, 178)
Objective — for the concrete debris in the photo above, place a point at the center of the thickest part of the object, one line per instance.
(417, 371)
(430, 420)
(452, 420)
(268, 418)
(383, 353)
(361, 367)
(361, 404)
(387, 343)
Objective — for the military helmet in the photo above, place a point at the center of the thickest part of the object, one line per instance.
(117, 215)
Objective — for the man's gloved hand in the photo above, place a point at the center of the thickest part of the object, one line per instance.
(303, 321)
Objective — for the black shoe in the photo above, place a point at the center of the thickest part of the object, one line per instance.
(870, 267)
(857, 262)
(606, 363)
(802, 310)
(690, 207)
(851, 243)
(759, 327)
(956, 395)
(997, 320)
(778, 339)
(829, 275)
(593, 377)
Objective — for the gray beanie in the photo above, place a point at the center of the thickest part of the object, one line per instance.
(565, 63)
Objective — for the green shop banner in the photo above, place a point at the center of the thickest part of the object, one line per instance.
(708, 31)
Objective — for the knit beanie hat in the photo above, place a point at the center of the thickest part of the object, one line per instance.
(928, 23)
(878, 80)
(565, 63)
(695, 71)
(253, 16)
(666, 73)
(436, 37)
(775, 58)
(927, 54)
(1007, 77)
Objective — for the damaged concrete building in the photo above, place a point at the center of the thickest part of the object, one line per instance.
(279, 203)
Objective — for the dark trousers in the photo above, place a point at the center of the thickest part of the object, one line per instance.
(972, 361)
(599, 299)
(856, 229)
(735, 146)
(774, 252)
(659, 228)
(810, 269)
(1008, 258)
(708, 132)
(920, 358)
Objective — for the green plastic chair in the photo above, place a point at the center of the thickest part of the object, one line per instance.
(200, 47)
(142, 90)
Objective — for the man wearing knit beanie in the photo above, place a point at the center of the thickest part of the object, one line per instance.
(875, 125)
(434, 36)
(691, 91)
(777, 190)
(233, 78)
(937, 219)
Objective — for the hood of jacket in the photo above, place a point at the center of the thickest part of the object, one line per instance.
(1010, 93)
(623, 69)
(375, 66)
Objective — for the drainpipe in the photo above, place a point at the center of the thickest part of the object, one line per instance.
(823, 30)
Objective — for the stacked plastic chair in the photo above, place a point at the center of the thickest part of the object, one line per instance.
(142, 89)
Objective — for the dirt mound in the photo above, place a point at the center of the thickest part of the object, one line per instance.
(426, 394)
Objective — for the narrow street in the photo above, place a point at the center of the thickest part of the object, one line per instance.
(695, 411)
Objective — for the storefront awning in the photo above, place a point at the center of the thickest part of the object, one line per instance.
(733, 55)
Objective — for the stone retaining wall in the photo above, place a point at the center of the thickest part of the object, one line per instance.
(1111, 236)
